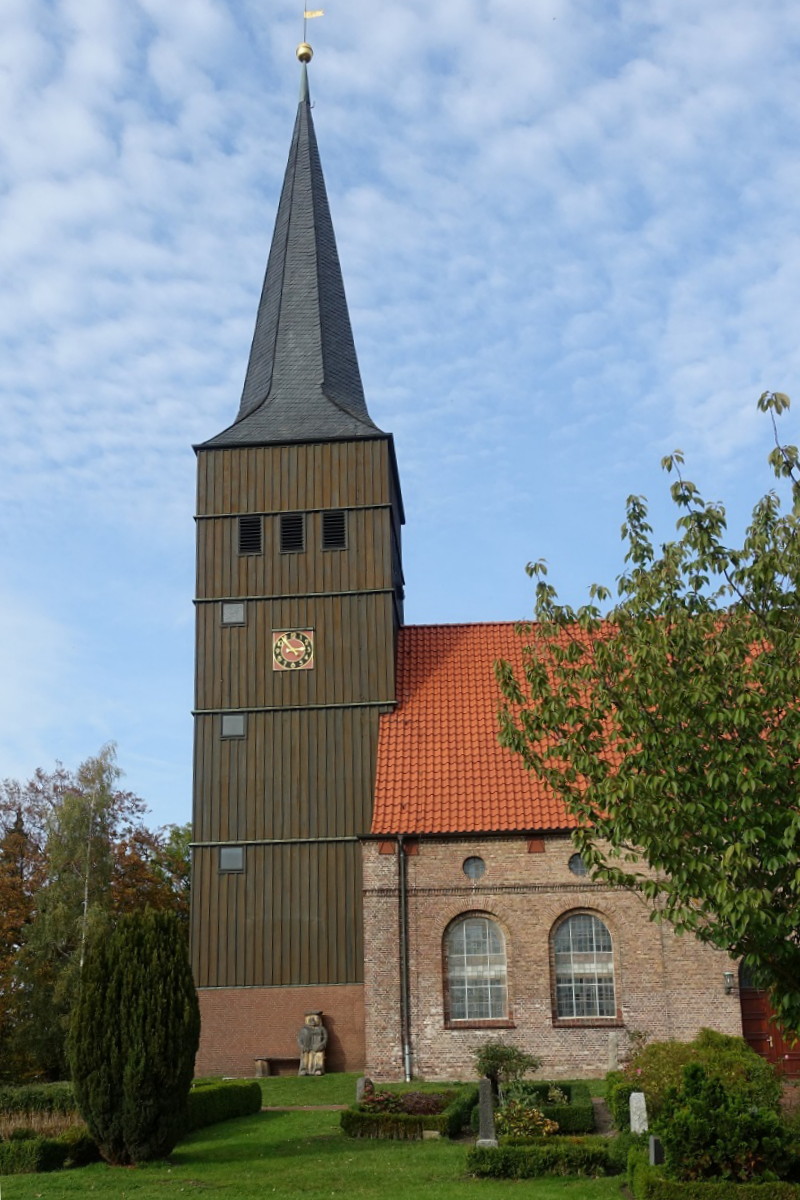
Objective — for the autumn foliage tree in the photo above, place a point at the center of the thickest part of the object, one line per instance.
(20, 870)
(74, 854)
(670, 724)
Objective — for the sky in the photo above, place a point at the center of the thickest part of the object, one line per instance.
(570, 237)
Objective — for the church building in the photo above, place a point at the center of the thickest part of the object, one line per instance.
(363, 846)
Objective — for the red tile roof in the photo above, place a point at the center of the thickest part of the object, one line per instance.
(441, 768)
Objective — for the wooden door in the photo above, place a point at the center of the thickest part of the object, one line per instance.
(761, 1032)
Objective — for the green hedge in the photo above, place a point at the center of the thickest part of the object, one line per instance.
(38, 1098)
(211, 1101)
(398, 1127)
(24, 1156)
(81, 1146)
(407, 1127)
(618, 1098)
(459, 1111)
(550, 1156)
(648, 1183)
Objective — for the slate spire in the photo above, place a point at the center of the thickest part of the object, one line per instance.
(302, 381)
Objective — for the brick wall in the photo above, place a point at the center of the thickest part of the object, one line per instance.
(667, 986)
(242, 1024)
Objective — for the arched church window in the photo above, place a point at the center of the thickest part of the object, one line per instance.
(475, 956)
(583, 959)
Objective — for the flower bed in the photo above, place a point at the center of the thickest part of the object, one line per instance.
(572, 1114)
(568, 1104)
(405, 1117)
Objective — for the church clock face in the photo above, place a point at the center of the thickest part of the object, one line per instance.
(293, 650)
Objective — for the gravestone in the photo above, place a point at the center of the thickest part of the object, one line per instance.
(656, 1151)
(486, 1134)
(638, 1113)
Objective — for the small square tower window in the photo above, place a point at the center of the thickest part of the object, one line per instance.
(232, 612)
(293, 532)
(233, 725)
(231, 858)
(250, 540)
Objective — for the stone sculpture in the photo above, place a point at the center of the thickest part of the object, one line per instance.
(312, 1040)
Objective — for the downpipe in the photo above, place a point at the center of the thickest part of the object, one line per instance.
(405, 990)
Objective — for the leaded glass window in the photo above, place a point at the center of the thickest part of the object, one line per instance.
(476, 970)
(584, 968)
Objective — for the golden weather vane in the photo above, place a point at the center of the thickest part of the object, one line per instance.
(304, 51)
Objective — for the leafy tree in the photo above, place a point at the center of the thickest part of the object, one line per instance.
(88, 858)
(19, 868)
(153, 869)
(670, 726)
(133, 1037)
(502, 1063)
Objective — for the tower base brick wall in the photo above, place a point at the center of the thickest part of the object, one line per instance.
(666, 985)
(239, 1025)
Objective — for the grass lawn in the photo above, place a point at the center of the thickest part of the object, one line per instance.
(299, 1154)
(309, 1089)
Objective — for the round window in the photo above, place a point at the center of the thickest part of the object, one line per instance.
(474, 867)
(577, 865)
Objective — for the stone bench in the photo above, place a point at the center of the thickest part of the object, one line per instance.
(273, 1065)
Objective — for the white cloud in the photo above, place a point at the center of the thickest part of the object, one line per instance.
(569, 240)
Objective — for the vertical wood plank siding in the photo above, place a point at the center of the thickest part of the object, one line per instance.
(305, 770)
(293, 917)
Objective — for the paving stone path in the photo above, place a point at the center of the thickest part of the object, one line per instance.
(602, 1118)
(304, 1107)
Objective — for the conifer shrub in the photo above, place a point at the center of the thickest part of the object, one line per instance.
(658, 1066)
(133, 1038)
(709, 1132)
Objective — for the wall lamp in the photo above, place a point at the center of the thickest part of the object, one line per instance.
(728, 982)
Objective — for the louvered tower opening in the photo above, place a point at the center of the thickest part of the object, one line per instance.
(293, 533)
(250, 540)
(334, 529)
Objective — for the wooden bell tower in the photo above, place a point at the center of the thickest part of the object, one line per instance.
(299, 596)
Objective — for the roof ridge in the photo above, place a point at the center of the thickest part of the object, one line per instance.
(467, 624)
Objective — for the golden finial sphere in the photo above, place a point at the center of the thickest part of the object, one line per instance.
(304, 52)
